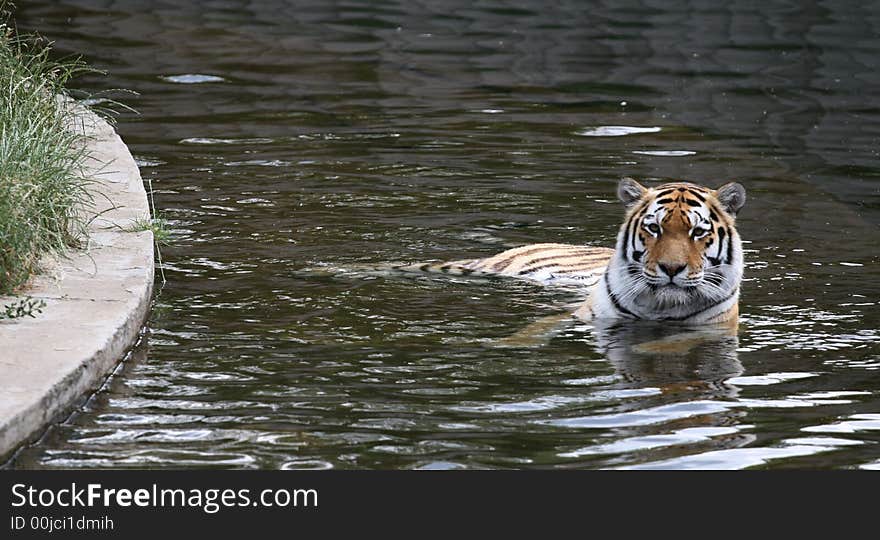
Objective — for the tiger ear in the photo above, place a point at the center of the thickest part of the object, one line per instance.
(629, 191)
(732, 197)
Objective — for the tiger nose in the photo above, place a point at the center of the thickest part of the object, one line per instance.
(671, 270)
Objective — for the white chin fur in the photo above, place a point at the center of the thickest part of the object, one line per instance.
(671, 295)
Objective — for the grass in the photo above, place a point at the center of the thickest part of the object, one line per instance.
(42, 186)
(159, 227)
(22, 307)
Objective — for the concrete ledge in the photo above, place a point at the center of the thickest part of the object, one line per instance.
(96, 299)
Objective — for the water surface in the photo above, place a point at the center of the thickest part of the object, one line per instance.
(285, 137)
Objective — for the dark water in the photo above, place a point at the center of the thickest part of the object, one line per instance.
(334, 135)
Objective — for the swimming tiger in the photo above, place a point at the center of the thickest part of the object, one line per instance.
(678, 258)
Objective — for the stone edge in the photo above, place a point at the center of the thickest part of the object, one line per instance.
(97, 299)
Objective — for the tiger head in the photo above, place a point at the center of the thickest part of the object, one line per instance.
(678, 247)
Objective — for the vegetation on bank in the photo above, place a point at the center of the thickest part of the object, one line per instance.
(22, 307)
(42, 185)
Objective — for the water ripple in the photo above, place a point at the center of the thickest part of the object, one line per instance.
(654, 415)
(648, 442)
(853, 424)
(192, 78)
(733, 458)
(616, 131)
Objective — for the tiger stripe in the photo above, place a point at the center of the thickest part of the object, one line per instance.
(543, 262)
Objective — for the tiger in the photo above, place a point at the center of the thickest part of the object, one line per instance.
(678, 257)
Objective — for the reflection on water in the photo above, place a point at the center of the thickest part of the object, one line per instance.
(663, 352)
(292, 143)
